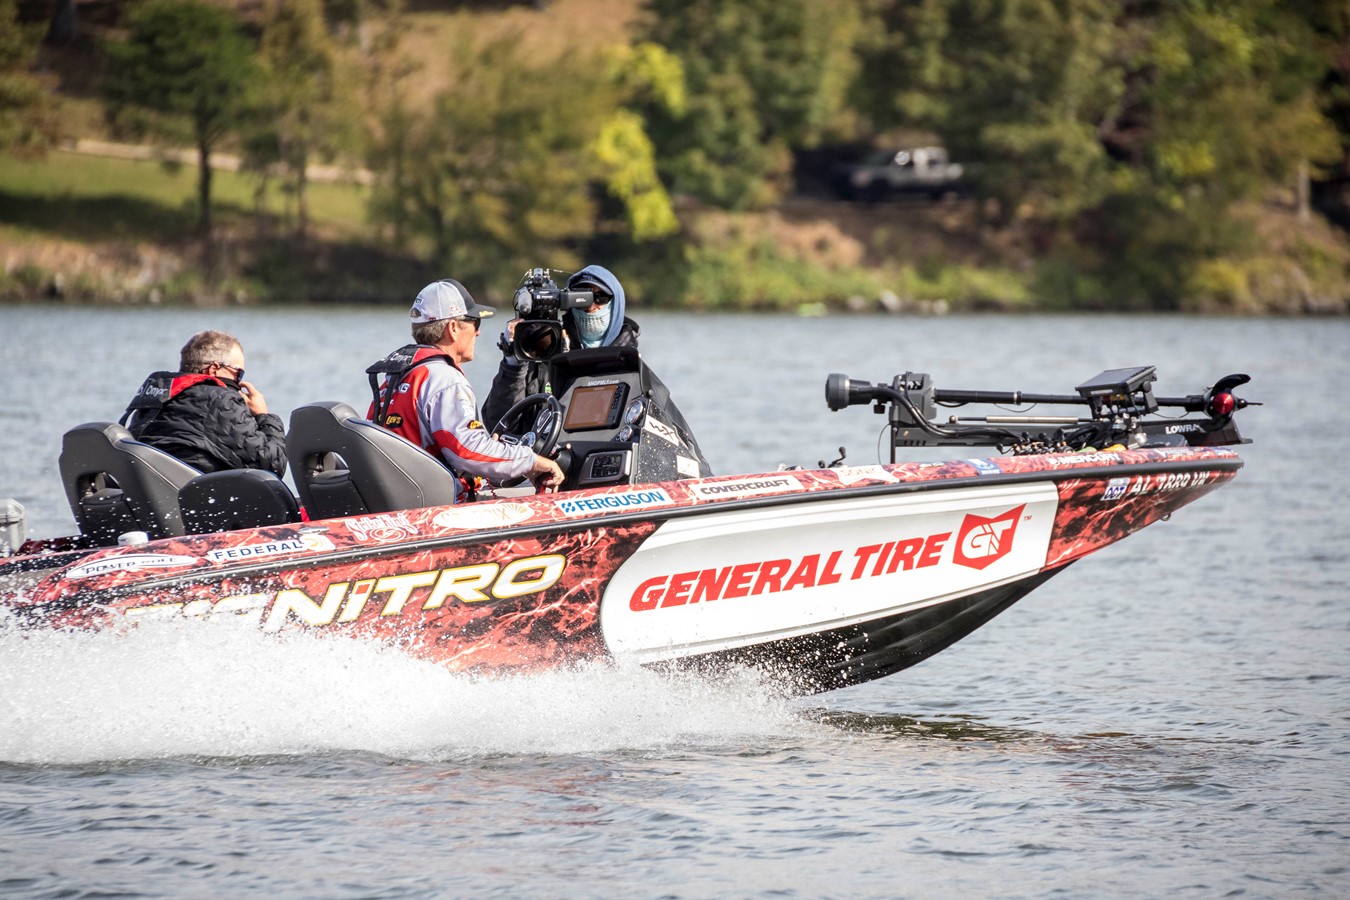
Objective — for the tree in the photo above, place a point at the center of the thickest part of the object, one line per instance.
(389, 130)
(28, 121)
(497, 175)
(763, 76)
(1120, 135)
(305, 103)
(185, 70)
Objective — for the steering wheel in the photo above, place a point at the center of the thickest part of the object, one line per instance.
(534, 422)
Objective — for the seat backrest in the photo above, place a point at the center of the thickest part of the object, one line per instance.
(116, 484)
(236, 498)
(345, 465)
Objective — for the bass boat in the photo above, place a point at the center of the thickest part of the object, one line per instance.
(824, 577)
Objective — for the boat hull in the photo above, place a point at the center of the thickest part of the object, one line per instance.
(825, 578)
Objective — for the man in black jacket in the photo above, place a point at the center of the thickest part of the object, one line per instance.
(206, 414)
(602, 324)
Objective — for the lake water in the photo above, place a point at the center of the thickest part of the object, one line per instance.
(1169, 717)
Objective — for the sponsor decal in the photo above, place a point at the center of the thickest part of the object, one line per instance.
(393, 420)
(984, 466)
(315, 543)
(698, 586)
(1166, 483)
(614, 502)
(982, 542)
(686, 466)
(1079, 459)
(856, 474)
(474, 423)
(382, 529)
(1115, 488)
(130, 563)
(344, 601)
(486, 515)
(656, 427)
(1184, 428)
(404, 388)
(744, 487)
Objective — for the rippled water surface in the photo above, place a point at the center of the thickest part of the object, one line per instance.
(1168, 717)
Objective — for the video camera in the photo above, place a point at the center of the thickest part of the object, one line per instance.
(539, 304)
(539, 296)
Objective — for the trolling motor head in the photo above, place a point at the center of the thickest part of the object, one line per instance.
(909, 395)
(842, 391)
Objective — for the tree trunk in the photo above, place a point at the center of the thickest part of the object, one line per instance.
(63, 28)
(301, 203)
(1303, 191)
(204, 188)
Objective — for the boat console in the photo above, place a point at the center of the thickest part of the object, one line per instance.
(610, 422)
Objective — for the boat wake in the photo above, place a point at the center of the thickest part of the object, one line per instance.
(191, 689)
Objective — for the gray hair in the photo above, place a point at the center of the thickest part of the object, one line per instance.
(205, 348)
(430, 332)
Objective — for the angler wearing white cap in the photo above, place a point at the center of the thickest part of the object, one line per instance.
(426, 398)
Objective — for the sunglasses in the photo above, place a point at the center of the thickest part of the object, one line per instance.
(476, 323)
(600, 294)
(238, 373)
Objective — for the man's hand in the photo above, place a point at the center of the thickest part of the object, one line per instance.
(546, 475)
(505, 339)
(254, 398)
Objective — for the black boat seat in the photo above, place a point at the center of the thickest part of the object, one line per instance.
(345, 465)
(236, 498)
(116, 484)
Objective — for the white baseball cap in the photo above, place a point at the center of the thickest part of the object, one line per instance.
(447, 299)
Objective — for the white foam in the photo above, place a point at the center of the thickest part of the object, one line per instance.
(167, 689)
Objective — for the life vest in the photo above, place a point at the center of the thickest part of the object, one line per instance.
(158, 389)
(393, 405)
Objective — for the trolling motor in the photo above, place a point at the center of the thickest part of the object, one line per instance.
(1119, 402)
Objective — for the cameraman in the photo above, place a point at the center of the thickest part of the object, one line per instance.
(601, 324)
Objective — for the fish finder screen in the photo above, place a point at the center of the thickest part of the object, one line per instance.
(595, 406)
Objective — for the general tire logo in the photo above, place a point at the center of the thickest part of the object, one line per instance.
(983, 542)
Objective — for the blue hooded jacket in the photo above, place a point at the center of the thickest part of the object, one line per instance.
(611, 284)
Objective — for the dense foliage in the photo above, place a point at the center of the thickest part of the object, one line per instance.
(1116, 148)
(27, 115)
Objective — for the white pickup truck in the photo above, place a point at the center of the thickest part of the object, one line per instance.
(919, 170)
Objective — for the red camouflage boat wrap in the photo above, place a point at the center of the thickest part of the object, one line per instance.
(895, 561)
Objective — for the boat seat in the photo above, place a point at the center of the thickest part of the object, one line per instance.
(116, 484)
(345, 465)
(236, 498)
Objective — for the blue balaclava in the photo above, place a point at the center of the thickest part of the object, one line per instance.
(600, 328)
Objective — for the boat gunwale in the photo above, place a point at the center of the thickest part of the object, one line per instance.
(804, 495)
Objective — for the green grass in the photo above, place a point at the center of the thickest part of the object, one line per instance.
(86, 198)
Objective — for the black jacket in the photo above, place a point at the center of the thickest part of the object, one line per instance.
(206, 423)
(516, 380)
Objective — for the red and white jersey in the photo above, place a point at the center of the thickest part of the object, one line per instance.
(435, 408)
